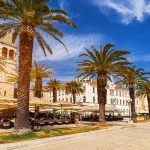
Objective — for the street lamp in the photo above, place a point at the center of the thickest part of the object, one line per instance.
(129, 102)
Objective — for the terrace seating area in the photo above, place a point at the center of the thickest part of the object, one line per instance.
(36, 123)
(107, 117)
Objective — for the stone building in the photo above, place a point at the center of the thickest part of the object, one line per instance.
(8, 53)
(117, 96)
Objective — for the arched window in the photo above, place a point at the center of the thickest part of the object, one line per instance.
(4, 52)
(11, 54)
(120, 102)
(93, 99)
(84, 99)
(71, 99)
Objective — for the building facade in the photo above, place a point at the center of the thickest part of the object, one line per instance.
(117, 96)
(8, 55)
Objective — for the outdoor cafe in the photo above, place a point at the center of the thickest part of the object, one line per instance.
(44, 112)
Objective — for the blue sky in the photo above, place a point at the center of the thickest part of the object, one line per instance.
(124, 23)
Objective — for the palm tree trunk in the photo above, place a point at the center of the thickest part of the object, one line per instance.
(54, 95)
(102, 94)
(132, 96)
(36, 111)
(38, 93)
(38, 87)
(26, 38)
(74, 98)
(148, 100)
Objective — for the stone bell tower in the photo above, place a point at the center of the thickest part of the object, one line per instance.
(8, 53)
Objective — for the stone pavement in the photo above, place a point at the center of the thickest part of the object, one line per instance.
(125, 137)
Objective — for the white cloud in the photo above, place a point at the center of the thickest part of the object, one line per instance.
(144, 58)
(74, 43)
(129, 10)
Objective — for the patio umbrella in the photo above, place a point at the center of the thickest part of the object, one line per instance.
(73, 108)
(6, 107)
(90, 108)
(143, 112)
(63, 104)
(71, 111)
(40, 102)
(108, 108)
(7, 100)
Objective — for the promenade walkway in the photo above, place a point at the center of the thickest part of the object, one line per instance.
(123, 137)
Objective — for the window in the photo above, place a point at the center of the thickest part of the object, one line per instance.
(84, 89)
(62, 92)
(120, 93)
(93, 90)
(63, 99)
(120, 102)
(117, 101)
(59, 93)
(5, 93)
(4, 52)
(59, 99)
(123, 102)
(71, 99)
(84, 99)
(93, 99)
(123, 94)
(66, 99)
(112, 92)
(116, 93)
(11, 54)
(111, 101)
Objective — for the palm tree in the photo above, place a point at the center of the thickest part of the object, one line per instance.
(102, 63)
(53, 86)
(74, 88)
(38, 72)
(144, 90)
(28, 19)
(132, 77)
